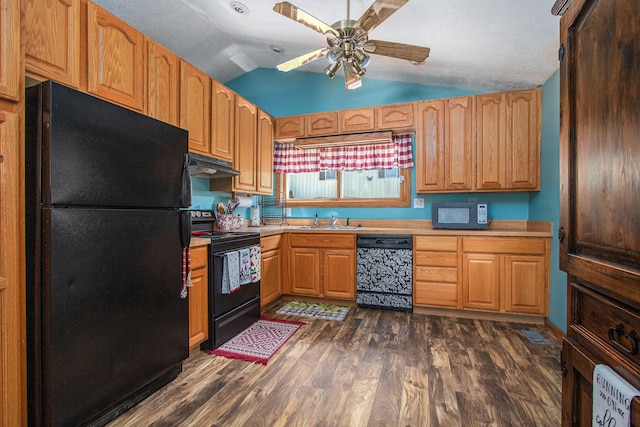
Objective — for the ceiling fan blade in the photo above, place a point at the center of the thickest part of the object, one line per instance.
(378, 12)
(409, 52)
(351, 79)
(303, 59)
(290, 11)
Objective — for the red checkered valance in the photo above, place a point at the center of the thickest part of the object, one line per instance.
(289, 159)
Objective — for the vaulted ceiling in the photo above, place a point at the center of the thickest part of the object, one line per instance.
(476, 44)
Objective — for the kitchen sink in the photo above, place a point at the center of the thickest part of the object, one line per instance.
(328, 227)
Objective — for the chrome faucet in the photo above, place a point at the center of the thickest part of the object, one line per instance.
(334, 220)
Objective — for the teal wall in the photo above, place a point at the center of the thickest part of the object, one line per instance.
(545, 205)
(296, 92)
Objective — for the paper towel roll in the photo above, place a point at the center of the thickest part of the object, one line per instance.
(245, 202)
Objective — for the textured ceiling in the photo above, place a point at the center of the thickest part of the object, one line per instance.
(477, 44)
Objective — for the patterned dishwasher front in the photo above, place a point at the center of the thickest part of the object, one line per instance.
(384, 278)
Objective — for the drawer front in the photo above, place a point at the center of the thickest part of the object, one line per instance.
(322, 241)
(605, 322)
(270, 243)
(504, 245)
(437, 274)
(198, 256)
(436, 294)
(436, 259)
(436, 243)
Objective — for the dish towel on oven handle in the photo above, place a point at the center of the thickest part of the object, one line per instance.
(230, 272)
(612, 397)
(255, 263)
(245, 266)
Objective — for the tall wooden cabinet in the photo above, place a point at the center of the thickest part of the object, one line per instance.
(600, 196)
(223, 104)
(163, 83)
(195, 99)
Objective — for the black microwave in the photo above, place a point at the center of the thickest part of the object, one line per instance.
(460, 215)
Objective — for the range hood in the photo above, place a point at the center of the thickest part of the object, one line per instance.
(209, 167)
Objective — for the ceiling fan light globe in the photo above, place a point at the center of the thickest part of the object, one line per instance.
(332, 58)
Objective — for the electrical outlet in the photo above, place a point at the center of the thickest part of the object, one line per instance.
(418, 203)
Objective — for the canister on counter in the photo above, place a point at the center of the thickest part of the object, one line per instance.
(255, 216)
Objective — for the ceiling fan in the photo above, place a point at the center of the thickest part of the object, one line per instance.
(348, 43)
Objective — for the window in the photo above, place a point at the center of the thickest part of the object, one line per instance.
(343, 177)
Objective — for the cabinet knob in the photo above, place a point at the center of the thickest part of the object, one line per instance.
(561, 234)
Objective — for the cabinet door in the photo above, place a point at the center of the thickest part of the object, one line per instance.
(10, 75)
(198, 297)
(430, 146)
(356, 120)
(339, 273)
(163, 80)
(245, 159)
(523, 139)
(223, 105)
(399, 116)
(116, 59)
(271, 277)
(458, 144)
(321, 124)
(525, 290)
(481, 281)
(11, 217)
(264, 170)
(289, 128)
(490, 145)
(52, 40)
(195, 93)
(304, 271)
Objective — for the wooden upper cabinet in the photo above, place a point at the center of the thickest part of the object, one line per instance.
(223, 104)
(163, 83)
(491, 117)
(290, 127)
(10, 73)
(321, 124)
(523, 139)
(398, 116)
(430, 145)
(444, 145)
(116, 59)
(264, 143)
(52, 40)
(195, 97)
(459, 144)
(356, 120)
(245, 159)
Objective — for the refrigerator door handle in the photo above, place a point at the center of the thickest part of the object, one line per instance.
(185, 228)
(185, 197)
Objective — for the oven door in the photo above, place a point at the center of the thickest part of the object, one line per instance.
(221, 303)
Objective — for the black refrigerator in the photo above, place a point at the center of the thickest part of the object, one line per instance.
(107, 318)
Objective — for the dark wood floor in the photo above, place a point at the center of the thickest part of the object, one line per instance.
(376, 368)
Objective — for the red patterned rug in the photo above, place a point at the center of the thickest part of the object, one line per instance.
(259, 341)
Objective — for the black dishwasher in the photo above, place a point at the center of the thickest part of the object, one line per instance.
(384, 271)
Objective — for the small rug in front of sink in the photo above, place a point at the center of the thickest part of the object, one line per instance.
(316, 310)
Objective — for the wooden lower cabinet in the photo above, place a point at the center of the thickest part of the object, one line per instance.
(270, 270)
(198, 297)
(322, 265)
(505, 274)
(435, 271)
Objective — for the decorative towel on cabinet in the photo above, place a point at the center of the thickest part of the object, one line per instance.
(230, 272)
(612, 397)
(255, 263)
(245, 266)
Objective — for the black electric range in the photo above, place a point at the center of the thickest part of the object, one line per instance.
(229, 313)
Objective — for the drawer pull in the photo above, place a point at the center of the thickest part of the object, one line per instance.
(631, 336)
